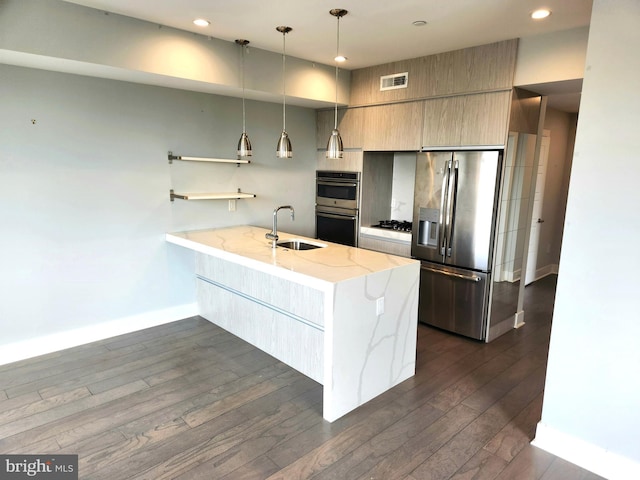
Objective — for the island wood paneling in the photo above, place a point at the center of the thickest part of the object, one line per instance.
(280, 335)
(281, 317)
(297, 299)
(475, 69)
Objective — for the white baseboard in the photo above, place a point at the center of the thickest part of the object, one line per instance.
(586, 455)
(546, 270)
(34, 347)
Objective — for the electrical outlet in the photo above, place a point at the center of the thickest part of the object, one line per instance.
(232, 205)
(380, 306)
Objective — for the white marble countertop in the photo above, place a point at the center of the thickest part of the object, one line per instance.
(319, 267)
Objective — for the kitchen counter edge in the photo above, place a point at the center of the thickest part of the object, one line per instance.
(319, 268)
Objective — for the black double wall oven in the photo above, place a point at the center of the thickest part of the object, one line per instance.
(337, 204)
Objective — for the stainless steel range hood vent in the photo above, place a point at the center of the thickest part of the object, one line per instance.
(391, 82)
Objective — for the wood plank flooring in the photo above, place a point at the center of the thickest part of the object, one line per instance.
(188, 401)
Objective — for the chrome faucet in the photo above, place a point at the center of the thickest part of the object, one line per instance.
(273, 234)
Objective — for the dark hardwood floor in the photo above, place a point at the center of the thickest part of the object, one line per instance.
(188, 400)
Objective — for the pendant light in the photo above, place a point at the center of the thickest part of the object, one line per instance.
(334, 145)
(244, 145)
(284, 150)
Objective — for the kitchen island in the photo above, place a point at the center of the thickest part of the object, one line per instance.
(344, 316)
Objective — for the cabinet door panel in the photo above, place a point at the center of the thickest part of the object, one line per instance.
(442, 117)
(485, 118)
(350, 124)
(393, 127)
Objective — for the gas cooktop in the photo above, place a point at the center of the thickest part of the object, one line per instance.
(399, 225)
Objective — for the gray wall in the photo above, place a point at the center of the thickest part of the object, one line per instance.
(85, 198)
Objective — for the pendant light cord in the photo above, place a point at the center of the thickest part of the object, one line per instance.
(244, 126)
(284, 96)
(335, 119)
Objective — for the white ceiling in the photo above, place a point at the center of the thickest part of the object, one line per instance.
(373, 32)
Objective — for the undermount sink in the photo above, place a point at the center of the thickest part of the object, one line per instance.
(297, 244)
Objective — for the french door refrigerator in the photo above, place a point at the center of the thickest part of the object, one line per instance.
(455, 211)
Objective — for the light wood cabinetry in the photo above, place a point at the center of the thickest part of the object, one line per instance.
(485, 118)
(377, 244)
(393, 127)
(350, 162)
(283, 318)
(466, 120)
(485, 67)
(442, 118)
(381, 127)
(350, 124)
(452, 99)
(475, 69)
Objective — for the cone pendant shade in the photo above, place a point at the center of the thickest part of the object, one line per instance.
(334, 145)
(244, 144)
(284, 149)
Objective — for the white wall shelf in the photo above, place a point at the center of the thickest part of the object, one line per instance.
(210, 196)
(173, 157)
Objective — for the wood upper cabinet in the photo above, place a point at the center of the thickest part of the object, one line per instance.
(442, 121)
(474, 69)
(466, 120)
(460, 120)
(485, 119)
(380, 127)
(393, 127)
(350, 124)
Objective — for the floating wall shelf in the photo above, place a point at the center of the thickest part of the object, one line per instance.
(210, 196)
(173, 157)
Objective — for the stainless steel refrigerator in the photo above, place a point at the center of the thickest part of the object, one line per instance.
(455, 211)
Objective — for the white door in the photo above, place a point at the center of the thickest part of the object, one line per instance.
(537, 220)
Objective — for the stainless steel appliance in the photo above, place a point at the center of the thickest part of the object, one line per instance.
(337, 206)
(455, 211)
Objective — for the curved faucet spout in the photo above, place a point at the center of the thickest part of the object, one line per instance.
(273, 234)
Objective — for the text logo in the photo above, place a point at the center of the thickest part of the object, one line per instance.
(49, 467)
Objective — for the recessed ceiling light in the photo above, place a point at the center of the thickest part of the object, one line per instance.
(419, 23)
(540, 14)
(340, 58)
(201, 22)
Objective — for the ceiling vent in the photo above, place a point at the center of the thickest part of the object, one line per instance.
(391, 82)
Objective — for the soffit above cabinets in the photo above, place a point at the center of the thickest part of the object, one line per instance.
(374, 32)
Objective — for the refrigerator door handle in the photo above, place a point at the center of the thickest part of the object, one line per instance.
(471, 278)
(451, 203)
(442, 235)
